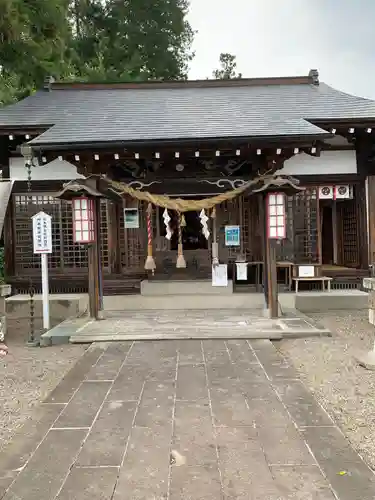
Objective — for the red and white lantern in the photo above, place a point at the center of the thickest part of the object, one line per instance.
(276, 218)
(83, 220)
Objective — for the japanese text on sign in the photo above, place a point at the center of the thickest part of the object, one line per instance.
(42, 233)
(232, 236)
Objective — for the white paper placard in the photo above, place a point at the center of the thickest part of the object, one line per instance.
(220, 275)
(131, 218)
(42, 233)
(306, 271)
(241, 268)
(232, 236)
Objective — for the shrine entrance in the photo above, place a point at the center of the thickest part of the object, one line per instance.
(196, 247)
(192, 236)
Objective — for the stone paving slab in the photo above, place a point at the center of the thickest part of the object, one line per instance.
(176, 324)
(183, 420)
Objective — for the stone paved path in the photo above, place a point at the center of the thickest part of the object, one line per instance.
(182, 420)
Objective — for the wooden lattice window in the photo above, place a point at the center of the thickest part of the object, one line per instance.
(285, 248)
(349, 221)
(302, 227)
(133, 242)
(75, 255)
(228, 214)
(66, 254)
(251, 230)
(23, 248)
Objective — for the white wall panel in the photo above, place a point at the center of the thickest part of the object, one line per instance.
(329, 162)
(55, 170)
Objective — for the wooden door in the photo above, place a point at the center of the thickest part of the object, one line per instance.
(348, 233)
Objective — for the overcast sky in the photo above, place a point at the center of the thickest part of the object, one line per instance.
(289, 37)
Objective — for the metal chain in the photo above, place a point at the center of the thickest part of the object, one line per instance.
(31, 340)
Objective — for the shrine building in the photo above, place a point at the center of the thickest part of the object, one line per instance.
(144, 146)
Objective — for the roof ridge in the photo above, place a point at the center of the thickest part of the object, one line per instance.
(208, 83)
(347, 94)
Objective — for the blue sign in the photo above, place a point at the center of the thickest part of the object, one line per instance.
(232, 236)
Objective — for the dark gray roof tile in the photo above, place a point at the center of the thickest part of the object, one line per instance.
(90, 115)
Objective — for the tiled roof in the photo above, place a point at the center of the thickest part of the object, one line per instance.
(151, 112)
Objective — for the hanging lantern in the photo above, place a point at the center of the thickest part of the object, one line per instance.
(276, 219)
(83, 220)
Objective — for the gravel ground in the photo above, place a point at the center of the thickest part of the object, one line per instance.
(27, 375)
(328, 368)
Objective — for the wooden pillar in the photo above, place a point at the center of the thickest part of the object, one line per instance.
(363, 235)
(94, 267)
(272, 288)
(334, 232)
(263, 237)
(114, 257)
(93, 281)
(370, 222)
(98, 256)
(319, 221)
(9, 241)
(371, 217)
(270, 270)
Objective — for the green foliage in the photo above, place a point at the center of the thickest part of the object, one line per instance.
(91, 40)
(228, 66)
(34, 42)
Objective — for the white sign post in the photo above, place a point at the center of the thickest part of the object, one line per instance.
(42, 241)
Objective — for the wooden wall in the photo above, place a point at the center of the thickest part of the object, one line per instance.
(124, 251)
(371, 217)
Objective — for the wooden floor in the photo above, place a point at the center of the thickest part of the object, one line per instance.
(129, 283)
(332, 267)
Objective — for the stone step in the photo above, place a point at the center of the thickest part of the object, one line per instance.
(182, 287)
(171, 335)
(249, 301)
(317, 301)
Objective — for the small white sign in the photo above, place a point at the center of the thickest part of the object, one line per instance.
(220, 275)
(131, 218)
(232, 236)
(241, 271)
(306, 271)
(42, 233)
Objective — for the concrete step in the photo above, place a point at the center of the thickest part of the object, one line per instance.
(171, 335)
(175, 287)
(184, 302)
(316, 301)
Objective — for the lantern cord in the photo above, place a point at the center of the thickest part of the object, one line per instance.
(150, 262)
(215, 246)
(181, 263)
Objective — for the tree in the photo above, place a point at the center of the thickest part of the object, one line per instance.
(228, 65)
(133, 39)
(91, 40)
(34, 42)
